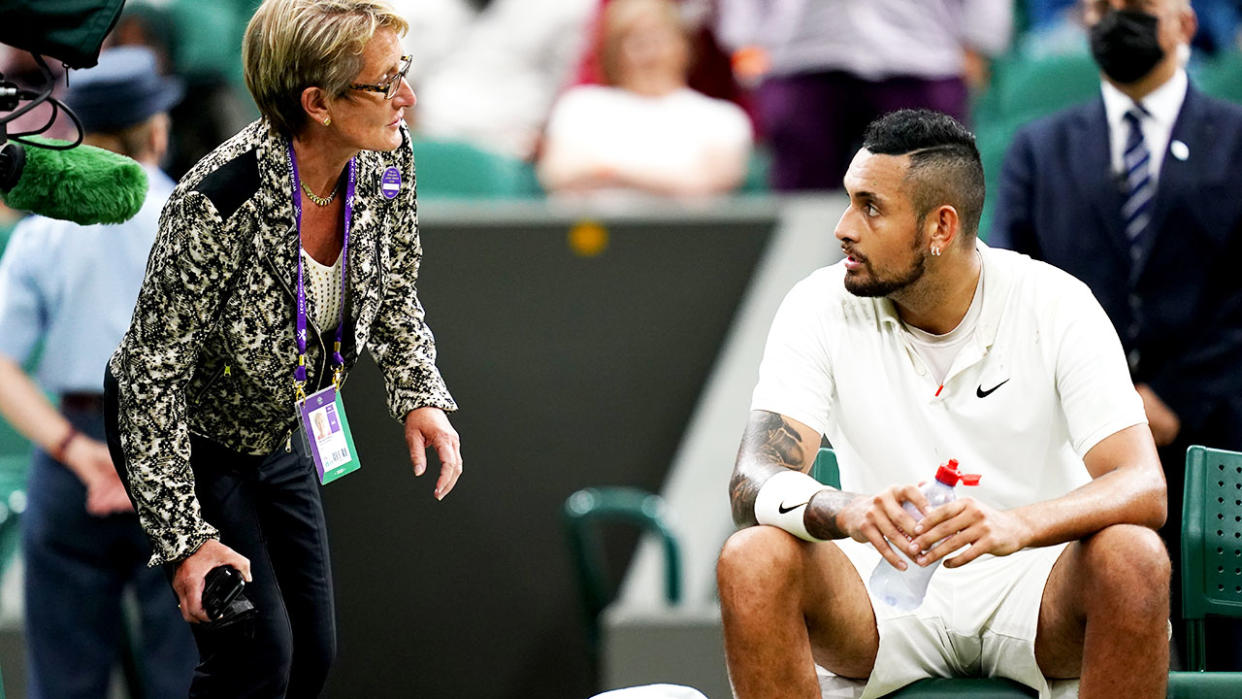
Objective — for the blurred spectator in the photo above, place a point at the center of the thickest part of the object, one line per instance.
(645, 129)
(711, 72)
(72, 289)
(494, 90)
(1135, 193)
(835, 65)
(200, 43)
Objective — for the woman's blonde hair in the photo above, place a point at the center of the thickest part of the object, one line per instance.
(291, 45)
(617, 20)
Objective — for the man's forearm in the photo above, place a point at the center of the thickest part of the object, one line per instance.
(772, 444)
(27, 409)
(1133, 493)
(1107, 500)
(821, 514)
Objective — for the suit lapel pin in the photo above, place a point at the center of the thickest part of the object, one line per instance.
(1179, 150)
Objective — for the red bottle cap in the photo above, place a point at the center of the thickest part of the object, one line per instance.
(949, 475)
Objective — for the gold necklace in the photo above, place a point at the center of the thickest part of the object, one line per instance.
(318, 200)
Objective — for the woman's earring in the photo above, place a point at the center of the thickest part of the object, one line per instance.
(935, 251)
(327, 121)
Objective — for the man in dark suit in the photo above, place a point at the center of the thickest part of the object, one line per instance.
(1139, 194)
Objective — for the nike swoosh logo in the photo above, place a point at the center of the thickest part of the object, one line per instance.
(782, 509)
(984, 394)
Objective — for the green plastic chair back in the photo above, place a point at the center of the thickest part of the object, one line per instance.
(1211, 542)
(825, 471)
(825, 468)
(590, 506)
(455, 170)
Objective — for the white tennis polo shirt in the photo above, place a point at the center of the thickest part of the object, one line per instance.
(1040, 383)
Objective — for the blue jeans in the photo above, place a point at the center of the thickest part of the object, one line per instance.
(77, 566)
(268, 509)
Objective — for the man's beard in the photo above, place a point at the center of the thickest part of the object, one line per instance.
(874, 286)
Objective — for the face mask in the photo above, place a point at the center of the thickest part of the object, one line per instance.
(1125, 45)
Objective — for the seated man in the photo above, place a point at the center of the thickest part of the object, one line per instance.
(921, 346)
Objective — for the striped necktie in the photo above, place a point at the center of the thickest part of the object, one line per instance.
(1140, 189)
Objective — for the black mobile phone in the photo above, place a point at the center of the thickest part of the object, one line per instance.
(224, 597)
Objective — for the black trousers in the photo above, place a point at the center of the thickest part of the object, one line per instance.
(268, 509)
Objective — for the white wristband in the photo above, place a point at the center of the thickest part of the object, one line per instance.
(782, 502)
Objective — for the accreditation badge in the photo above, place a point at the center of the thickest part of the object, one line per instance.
(322, 416)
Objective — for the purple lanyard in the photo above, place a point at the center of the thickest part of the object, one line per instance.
(299, 374)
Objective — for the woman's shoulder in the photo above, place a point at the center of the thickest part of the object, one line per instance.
(243, 142)
(229, 175)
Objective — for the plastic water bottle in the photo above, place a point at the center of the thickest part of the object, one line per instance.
(904, 589)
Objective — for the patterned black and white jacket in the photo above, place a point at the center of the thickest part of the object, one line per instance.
(211, 348)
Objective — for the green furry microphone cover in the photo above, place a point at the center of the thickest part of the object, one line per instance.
(86, 185)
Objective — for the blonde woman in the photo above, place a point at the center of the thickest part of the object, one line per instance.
(279, 256)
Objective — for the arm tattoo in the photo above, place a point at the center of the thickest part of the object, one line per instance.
(821, 514)
(742, 494)
(769, 444)
(770, 437)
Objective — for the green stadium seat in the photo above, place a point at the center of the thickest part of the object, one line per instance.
(992, 139)
(1028, 88)
(455, 169)
(589, 506)
(758, 171)
(1222, 77)
(1211, 543)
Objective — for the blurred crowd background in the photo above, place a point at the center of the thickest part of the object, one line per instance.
(609, 99)
(528, 98)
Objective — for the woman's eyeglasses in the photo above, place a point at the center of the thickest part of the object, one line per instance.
(389, 87)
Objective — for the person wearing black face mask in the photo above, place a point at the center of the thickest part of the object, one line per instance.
(1136, 194)
(1125, 44)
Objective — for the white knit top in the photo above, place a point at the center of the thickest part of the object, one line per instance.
(323, 292)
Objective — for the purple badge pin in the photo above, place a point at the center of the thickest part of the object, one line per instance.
(390, 183)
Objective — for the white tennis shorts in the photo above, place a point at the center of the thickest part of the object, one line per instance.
(977, 620)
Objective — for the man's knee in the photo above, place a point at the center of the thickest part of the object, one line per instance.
(1130, 565)
(760, 558)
